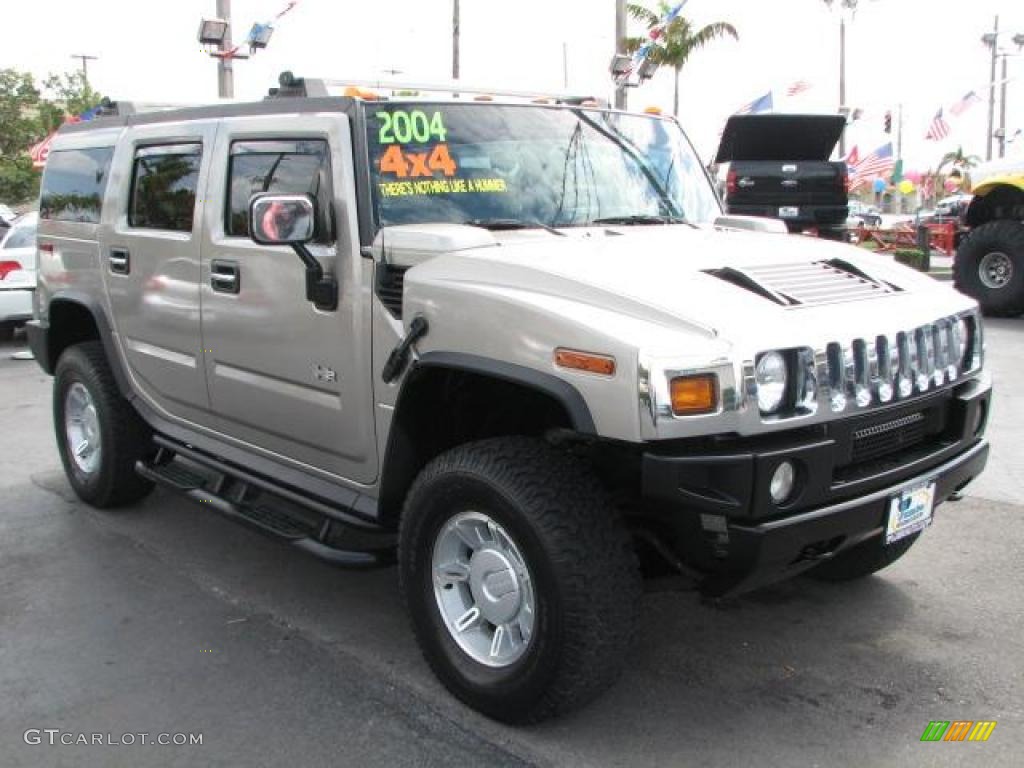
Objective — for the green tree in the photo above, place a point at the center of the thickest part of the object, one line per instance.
(19, 129)
(27, 116)
(67, 94)
(681, 39)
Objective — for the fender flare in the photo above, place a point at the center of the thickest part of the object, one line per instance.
(559, 389)
(103, 327)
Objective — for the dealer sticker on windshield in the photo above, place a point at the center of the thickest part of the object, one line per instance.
(910, 512)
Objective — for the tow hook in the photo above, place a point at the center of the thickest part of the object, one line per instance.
(399, 356)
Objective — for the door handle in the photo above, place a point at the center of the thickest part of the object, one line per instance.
(119, 261)
(224, 276)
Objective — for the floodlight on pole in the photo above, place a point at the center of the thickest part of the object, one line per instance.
(212, 31)
(259, 36)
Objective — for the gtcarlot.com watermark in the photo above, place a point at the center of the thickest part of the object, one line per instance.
(55, 736)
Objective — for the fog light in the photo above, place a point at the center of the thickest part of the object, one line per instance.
(783, 480)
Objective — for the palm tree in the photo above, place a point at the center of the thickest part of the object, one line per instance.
(959, 165)
(674, 47)
(958, 160)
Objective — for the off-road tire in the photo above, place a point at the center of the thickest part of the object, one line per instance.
(585, 575)
(1002, 236)
(862, 560)
(6, 331)
(124, 436)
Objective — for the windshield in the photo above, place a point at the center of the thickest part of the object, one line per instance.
(479, 163)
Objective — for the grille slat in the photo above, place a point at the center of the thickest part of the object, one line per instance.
(861, 373)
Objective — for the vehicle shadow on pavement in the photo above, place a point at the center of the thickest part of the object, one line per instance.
(800, 671)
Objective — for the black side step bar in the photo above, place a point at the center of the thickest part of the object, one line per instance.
(327, 533)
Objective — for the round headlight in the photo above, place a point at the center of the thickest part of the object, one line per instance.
(783, 480)
(771, 378)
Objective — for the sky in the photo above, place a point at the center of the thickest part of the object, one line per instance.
(923, 54)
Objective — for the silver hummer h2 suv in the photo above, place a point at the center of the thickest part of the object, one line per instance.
(513, 344)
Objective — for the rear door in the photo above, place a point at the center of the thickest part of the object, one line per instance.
(286, 378)
(150, 261)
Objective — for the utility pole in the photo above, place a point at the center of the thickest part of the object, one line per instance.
(1002, 113)
(842, 81)
(899, 134)
(225, 68)
(85, 59)
(992, 92)
(455, 39)
(620, 48)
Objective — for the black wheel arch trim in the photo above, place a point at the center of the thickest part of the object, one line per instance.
(103, 327)
(562, 391)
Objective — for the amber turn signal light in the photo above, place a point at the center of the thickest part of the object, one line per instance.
(585, 361)
(694, 395)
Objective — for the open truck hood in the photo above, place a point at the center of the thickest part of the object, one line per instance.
(779, 137)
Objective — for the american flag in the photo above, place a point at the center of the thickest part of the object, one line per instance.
(878, 163)
(763, 104)
(939, 129)
(965, 103)
(800, 86)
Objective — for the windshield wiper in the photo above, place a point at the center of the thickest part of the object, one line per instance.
(640, 219)
(507, 224)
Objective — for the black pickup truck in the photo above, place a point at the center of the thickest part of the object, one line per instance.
(779, 167)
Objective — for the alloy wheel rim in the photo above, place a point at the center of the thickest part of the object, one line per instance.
(995, 270)
(82, 429)
(483, 589)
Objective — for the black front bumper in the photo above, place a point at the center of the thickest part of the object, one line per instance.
(717, 505)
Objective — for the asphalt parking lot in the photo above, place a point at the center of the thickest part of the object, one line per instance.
(163, 618)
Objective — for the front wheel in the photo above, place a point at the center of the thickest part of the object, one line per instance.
(519, 577)
(989, 267)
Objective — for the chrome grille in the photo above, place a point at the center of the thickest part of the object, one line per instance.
(821, 282)
(855, 374)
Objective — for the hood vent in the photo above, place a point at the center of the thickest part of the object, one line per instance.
(807, 285)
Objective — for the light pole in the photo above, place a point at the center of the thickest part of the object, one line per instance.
(620, 48)
(225, 69)
(85, 59)
(991, 39)
(456, 31)
(844, 6)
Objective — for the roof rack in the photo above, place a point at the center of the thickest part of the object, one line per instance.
(291, 86)
(108, 108)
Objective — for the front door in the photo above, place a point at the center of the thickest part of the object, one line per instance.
(286, 378)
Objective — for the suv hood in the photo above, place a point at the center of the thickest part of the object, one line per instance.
(779, 137)
(718, 284)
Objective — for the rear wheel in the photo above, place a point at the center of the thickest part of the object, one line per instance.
(863, 559)
(519, 577)
(989, 267)
(99, 434)
(6, 331)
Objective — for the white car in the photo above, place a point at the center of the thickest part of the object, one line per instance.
(17, 274)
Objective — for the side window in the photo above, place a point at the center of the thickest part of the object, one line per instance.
(73, 184)
(164, 182)
(283, 167)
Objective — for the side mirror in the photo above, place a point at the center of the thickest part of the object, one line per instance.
(291, 220)
(281, 219)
